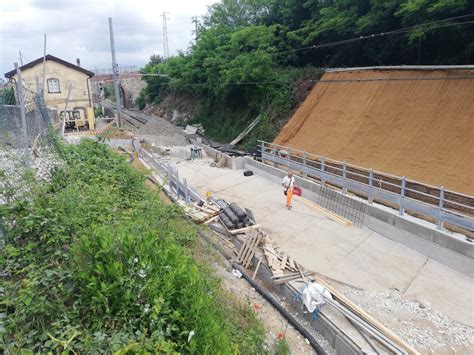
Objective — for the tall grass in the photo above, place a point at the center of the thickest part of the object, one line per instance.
(95, 263)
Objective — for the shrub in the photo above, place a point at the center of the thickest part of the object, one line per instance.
(95, 263)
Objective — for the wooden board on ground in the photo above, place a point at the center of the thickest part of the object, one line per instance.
(367, 317)
(335, 217)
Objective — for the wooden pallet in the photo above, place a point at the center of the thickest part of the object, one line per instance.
(200, 214)
(249, 247)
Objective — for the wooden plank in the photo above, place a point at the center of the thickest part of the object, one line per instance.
(258, 238)
(249, 242)
(256, 268)
(243, 248)
(245, 229)
(291, 263)
(335, 217)
(212, 219)
(283, 261)
(367, 317)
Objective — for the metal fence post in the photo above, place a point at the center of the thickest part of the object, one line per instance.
(21, 97)
(305, 174)
(177, 184)
(344, 176)
(322, 170)
(169, 181)
(371, 179)
(402, 197)
(186, 192)
(441, 205)
(263, 149)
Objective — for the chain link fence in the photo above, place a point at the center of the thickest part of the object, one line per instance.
(28, 149)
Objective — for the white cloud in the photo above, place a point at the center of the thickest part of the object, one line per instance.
(79, 28)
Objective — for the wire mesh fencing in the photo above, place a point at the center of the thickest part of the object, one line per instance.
(28, 149)
(349, 208)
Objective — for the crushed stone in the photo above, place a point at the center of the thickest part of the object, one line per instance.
(161, 133)
(415, 322)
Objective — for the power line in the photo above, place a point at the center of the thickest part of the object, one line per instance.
(388, 33)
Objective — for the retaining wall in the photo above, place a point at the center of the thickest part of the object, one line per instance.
(452, 250)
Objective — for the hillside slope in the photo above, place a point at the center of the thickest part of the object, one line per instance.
(421, 129)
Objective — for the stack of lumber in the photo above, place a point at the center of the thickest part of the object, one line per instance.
(200, 214)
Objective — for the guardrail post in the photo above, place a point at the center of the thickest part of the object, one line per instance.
(322, 170)
(371, 179)
(344, 176)
(169, 181)
(402, 196)
(186, 192)
(289, 158)
(305, 175)
(177, 184)
(263, 149)
(441, 205)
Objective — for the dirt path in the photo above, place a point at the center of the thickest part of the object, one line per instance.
(423, 130)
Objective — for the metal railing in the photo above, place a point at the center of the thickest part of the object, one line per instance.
(177, 187)
(436, 203)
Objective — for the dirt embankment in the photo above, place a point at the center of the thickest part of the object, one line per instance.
(421, 129)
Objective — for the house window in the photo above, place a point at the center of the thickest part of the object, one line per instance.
(53, 85)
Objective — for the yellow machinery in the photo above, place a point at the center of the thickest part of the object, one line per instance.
(80, 118)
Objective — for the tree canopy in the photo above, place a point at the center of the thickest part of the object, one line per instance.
(247, 51)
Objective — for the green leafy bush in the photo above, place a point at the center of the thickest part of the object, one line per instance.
(95, 263)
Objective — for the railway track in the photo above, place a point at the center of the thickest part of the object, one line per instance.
(135, 119)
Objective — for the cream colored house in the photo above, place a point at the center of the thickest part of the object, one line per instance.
(59, 76)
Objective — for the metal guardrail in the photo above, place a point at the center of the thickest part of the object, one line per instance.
(444, 206)
(178, 187)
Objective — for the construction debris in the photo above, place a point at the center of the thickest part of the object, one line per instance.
(200, 214)
(249, 247)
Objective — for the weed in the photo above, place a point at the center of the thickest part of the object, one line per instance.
(95, 263)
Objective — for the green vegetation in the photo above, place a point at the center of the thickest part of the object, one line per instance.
(244, 62)
(94, 262)
(7, 96)
(282, 347)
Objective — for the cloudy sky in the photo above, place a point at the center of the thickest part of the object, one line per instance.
(79, 28)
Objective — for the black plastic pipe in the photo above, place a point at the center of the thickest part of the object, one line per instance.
(292, 320)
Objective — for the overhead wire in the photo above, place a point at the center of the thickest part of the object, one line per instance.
(433, 24)
(380, 34)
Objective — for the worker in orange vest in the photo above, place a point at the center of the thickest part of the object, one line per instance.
(288, 184)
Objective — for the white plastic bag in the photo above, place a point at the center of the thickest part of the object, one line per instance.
(312, 296)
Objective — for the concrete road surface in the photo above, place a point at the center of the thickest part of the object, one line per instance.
(353, 255)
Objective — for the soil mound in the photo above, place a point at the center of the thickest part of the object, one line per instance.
(421, 129)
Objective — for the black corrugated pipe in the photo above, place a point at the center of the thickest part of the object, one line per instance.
(272, 301)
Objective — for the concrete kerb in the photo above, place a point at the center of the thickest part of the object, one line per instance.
(234, 163)
(451, 250)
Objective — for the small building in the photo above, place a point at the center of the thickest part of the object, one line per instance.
(59, 76)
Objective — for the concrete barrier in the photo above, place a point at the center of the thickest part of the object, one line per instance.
(234, 163)
(452, 250)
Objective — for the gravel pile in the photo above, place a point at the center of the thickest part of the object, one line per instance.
(416, 323)
(161, 132)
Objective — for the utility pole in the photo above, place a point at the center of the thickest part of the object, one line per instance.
(166, 51)
(21, 58)
(195, 21)
(21, 97)
(115, 72)
(44, 66)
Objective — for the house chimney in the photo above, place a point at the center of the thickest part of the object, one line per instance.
(78, 62)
